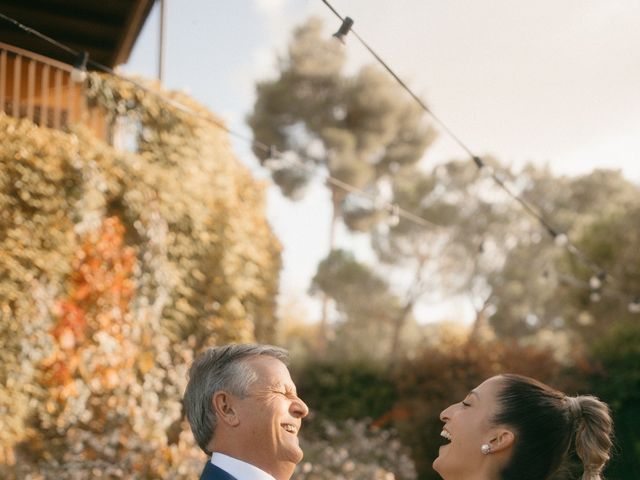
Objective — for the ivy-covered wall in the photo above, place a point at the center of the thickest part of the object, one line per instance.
(115, 268)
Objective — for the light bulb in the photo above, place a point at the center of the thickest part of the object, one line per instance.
(634, 305)
(79, 72)
(561, 240)
(394, 216)
(486, 171)
(78, 76)
(273, 164)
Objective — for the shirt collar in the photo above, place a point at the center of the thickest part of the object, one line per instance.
(239, 469)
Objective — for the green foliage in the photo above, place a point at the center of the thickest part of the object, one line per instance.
(359, 127)
(609, 240)
(618, 384)
(619, 352)
(338, 390)
(208, 213)
(541, 286)
(365, 305)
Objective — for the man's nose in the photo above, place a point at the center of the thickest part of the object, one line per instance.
(299, 408)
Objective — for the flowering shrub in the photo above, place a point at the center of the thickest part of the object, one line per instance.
(115, 268)
(353, 450)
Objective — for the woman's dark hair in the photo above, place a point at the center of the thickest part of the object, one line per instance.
(545, 423)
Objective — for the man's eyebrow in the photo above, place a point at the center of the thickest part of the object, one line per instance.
(290, 388)
(283, 386)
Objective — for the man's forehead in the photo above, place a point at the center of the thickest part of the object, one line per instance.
(266, 360)
(271, 374)
(269, 368)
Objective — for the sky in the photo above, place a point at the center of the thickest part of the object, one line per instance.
(551, 82)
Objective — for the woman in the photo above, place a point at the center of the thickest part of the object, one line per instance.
(516, 428)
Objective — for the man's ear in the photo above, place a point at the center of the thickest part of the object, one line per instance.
(502, 439)
(224, 407)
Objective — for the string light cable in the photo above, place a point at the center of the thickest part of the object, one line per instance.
(597, 290)
(560, 239)
(79, 73)
(395, 211)
(480, 164)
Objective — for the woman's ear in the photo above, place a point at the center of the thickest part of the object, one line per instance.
(502, 440)
(224, 408)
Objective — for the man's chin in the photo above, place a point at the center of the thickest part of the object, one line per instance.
(294, 455)
(299, 456)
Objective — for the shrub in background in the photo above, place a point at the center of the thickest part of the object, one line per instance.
(340, 390)
(353, 449)
(617, 382)
(115, 267)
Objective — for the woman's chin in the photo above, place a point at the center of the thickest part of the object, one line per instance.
(437, 463)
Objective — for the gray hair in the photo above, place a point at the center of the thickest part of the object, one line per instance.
(220, 369)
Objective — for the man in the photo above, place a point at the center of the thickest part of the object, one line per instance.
(244, 411)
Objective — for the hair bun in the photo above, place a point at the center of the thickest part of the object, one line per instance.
(575, 407)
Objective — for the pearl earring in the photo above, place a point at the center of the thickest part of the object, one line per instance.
(485, 449)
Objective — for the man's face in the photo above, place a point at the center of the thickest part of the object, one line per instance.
(271, 414)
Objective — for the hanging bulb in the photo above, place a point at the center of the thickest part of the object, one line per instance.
(342, 32)
(595, 297)
(394, 216)
(634, 305)
(379, 203)
(79, 72)
(595, 282)
(486, 171)
(273, 162)
(561, 239)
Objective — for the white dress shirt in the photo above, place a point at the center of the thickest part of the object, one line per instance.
(239, 469)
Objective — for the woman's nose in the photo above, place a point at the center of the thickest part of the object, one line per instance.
(445, 415)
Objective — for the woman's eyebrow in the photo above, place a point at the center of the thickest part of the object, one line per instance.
(473, 392)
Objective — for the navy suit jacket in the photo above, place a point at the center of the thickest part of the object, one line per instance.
(212, 472)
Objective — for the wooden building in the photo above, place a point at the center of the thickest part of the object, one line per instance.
(37, 79)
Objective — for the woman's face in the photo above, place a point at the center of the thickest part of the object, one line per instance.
(467, 426)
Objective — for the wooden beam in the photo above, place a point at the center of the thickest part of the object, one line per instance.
(99, 53)
(101, 11)
(133, 24)
(70, 23)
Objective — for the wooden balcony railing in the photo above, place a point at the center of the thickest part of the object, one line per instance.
(41, 89)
